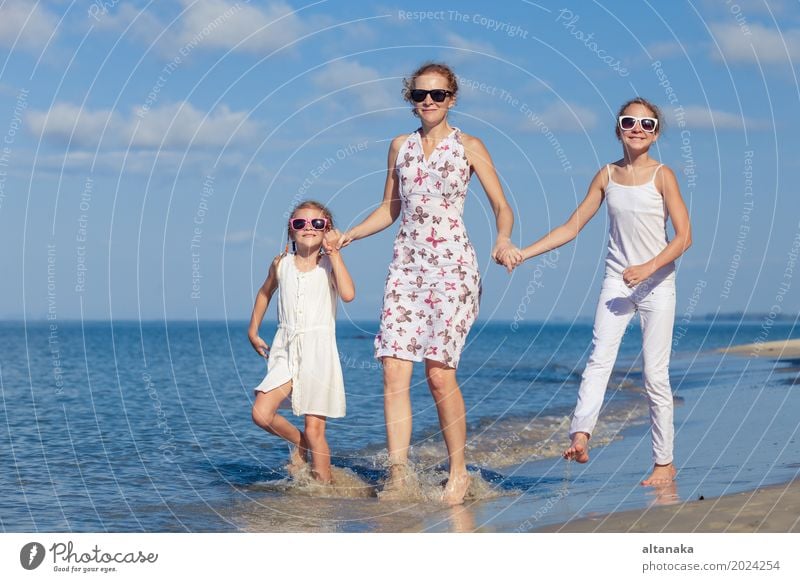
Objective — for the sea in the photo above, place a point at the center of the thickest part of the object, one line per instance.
(128, 426)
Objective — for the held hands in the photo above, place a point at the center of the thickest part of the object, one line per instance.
(260, 346)
(506, 254)
(331, 241)
(637, 273)
(345, 239)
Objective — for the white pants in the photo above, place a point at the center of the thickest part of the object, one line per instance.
(615, 308)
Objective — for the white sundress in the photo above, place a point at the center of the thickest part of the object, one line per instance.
(304, 349)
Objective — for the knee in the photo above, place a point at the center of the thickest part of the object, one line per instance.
(263, 415)
(439, 384)
(657, 377)
(315, 433)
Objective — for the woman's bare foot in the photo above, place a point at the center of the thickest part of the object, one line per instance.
(661, 475)
(579, 449)
(456, 489)
(402, 483)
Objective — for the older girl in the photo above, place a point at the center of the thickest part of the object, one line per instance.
(641, 194)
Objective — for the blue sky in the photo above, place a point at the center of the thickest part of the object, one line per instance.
(150, 150)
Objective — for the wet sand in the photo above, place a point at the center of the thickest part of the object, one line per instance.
(773, 509)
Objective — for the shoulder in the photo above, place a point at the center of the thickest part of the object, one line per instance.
(471, 142)
(398, 141)
(665, 178)
(603, 175)
(474, 149)
(395, 147)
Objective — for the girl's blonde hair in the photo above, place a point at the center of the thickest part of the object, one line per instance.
(326, 213)
(440, 68)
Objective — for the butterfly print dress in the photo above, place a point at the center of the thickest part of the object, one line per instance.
(433, 286)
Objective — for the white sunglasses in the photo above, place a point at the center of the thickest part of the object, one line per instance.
(628, 122)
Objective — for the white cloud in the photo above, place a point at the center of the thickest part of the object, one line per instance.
(212, 24)
(181, 125)
(363, 81)
(175, 126)
(699, 117)
(763, 44)
(66, 122)
(562, 116)
(222, 24)
(147, 162)
(239, 237)
(466, 49)
(665, 50)
(26, 25)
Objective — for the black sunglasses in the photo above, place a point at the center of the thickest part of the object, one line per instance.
(316, 223)
(438, 95)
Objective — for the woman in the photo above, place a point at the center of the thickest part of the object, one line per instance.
(640, 276)
(433, 286)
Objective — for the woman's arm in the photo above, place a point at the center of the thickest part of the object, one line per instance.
(563, 234)
(504, 252)
(263, 297)
(676, 208)
(388, 211)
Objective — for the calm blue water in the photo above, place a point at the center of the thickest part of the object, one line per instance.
(146, 426)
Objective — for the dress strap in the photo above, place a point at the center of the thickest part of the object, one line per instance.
(608, 171)
(653, 179)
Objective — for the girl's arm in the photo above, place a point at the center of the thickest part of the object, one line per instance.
(388, 211)
(676, 208)
(563, 234)
(341, 276)
(504, 252)
(260, 308)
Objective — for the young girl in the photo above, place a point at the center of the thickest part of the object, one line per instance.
(640, 276)
(304, 362)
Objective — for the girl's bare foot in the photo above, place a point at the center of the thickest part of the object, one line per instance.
(661, 475)
(298, 458)
(579, 449)
(456, 489)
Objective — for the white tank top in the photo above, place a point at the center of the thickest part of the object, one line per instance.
(637, 229)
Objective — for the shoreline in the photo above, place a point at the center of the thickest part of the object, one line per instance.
(772, 509)
(779, 350)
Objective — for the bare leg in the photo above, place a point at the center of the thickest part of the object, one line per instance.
(579, 449)
(452, 419)
(265, 415)
(661, 475)
(320, 453)
(397, 411)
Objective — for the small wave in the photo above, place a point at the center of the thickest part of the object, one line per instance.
(345, 484)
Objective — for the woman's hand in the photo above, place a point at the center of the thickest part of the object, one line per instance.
(506, 254)
(345, 239)
(636, 274)
(330, 241)
(260, 346)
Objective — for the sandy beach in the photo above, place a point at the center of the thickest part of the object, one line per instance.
(780, 350)
(773, 509)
